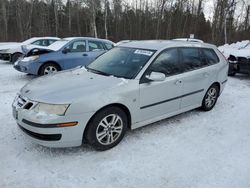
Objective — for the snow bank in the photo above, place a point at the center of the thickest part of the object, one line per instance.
(228, 49)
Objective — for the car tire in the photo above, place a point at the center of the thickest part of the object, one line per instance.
(210, 98)
(49, 68)
(101, 133)
(15, 57)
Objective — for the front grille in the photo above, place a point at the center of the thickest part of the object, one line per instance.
(20, 101)
(44, 137)
(243, 60)
(24, 103)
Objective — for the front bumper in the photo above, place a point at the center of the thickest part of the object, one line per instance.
(45, 135)
(5, 56)
(20, 68)
(26, 67)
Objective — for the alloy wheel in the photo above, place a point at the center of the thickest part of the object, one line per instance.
(50, 70)
(109, 129)
(211, 97)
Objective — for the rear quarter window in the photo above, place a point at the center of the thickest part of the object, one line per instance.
(108, 46)
(210, 56)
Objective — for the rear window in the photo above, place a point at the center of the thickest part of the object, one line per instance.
(210, 56)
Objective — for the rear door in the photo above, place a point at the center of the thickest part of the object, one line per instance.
(161, 97)
(196, 76)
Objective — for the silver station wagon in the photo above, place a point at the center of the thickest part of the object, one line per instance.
(132, 85)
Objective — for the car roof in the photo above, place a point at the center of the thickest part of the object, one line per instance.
(189, 39)
(87, 38)
(37, 38)
(161, 44)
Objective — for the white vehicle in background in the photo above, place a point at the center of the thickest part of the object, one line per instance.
(189, 40)
(8, 43)
(12, 51)
(239, 59)
(122, 42)
(232, 49)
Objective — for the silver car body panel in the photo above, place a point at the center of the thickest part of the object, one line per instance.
(87, 93)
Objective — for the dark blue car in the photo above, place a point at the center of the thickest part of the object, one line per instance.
(62, 55)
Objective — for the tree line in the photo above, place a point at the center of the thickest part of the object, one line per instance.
(124, 19)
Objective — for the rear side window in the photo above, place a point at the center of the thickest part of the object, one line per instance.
(191, 59)
(95, 46)
(108, 46)
(77, 46)
(210, 56)
(167, 62)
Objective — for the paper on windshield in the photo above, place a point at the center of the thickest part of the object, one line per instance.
(143, 52)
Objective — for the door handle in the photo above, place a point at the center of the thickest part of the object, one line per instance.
(84, 54)
(178, 82)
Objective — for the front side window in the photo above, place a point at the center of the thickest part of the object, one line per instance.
(121, 62)
(40, 43)
(95, 45)
(77, 46)
(191, 59)
(167, 62)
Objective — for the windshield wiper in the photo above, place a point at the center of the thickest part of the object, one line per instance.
(97, 71)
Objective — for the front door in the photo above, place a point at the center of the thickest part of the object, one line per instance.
(96, 48)
(161, 97)
(75, 54)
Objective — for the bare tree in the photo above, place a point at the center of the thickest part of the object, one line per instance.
(161, 9)
(5, 21)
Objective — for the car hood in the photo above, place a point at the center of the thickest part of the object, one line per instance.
(9, 46)
(241, 53)
(69, 86)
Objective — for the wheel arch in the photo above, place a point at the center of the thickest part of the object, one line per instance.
(47, 62)
(218, 84)
(15, 53)
(119, 105)
(214, 83)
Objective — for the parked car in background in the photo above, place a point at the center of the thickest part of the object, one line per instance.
(62, 55)
(12, 51)
(132, 85)
(239, 60)
(122, 42)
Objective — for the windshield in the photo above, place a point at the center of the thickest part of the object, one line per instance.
(121, 62)
(29, 41)
(58, 45)
(247, 46)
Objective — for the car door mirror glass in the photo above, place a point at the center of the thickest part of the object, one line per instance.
(156, 76)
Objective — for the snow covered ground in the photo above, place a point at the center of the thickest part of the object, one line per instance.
(195, 149)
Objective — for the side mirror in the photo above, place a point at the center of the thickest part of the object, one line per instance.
(65, 50)
(156, 76)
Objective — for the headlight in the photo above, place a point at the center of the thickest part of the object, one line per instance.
(34, 57)
(4, 50)
(31, 58)
(55, 109)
